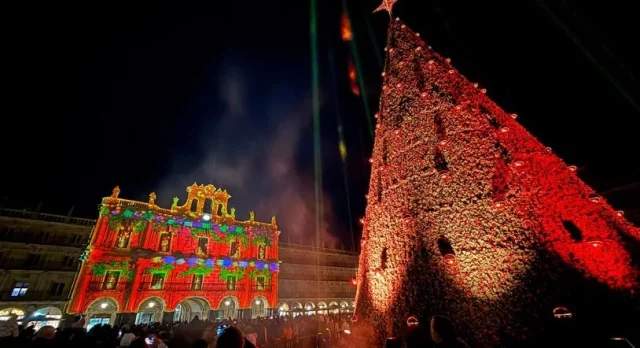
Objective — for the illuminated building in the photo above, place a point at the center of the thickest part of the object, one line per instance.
(469, 216)
(39, 260)
(146, 263)
(315, 280)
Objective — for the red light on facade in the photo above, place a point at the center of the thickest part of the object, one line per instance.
(449, 259)
(562, 313)
(518, 164)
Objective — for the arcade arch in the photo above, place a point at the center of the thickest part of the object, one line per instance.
(102, 311)
(150, 310)
(259, 307)
(283, 309)
(190, 308)
(228, 308)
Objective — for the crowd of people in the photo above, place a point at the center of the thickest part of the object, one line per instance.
(280, 332)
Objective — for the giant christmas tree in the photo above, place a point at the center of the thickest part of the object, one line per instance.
(469, 216)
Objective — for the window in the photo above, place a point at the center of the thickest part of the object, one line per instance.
(111, 280)
(20, 289)
(56, 289)
(231, 283)
(165, 242)
(123, 237)
(157, 281)
(194, 205)
(262, 252)
(196, 282)
(76, 239)
(46, 236)
(33, 260)
(203, 244)
(234, 249)
(68, 261)
(260, 283)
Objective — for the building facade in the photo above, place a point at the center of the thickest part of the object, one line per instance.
(39, 260)
(145, 263)
(316, 280)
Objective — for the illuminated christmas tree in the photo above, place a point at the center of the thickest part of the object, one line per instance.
(469, 216)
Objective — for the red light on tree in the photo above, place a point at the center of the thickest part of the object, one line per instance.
(594, 242)
(449, 259)
(562, 313)
(504, 230)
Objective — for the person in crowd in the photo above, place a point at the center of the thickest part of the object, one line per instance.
(444, 335)
(250, 335)
(127, 336)
(231, 337)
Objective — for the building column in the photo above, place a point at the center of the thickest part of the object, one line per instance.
(167, 317)
(125, 318)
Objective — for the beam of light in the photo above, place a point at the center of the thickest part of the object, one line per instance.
(342, 148)
(353, 78)
(345, 28)
(356, 60)
(589, 56)
(315, 105)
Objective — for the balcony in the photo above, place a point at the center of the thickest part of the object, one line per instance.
(101, 286)
(35, 296)
(39, 266)
(178, 287)
(261, 288)
(31, 215)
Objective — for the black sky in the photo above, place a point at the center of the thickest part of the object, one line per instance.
(155, 98)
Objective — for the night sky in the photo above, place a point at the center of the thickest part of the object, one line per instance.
(155, 98)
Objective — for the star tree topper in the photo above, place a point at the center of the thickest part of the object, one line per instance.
(386, 6)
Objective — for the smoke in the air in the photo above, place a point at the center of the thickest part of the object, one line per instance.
(257, 162)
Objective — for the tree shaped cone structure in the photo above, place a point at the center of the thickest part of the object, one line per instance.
(471, 213)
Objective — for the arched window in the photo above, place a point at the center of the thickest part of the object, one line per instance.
(208, 206)
(383, 259)
(444, 246)
(194, 205)
(574, 231)
(440, 162)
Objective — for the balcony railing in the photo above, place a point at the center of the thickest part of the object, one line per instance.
(261, 288)
(218, 287)
(39, 266)
(102, 286)
(35, 296)
(24, 214)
